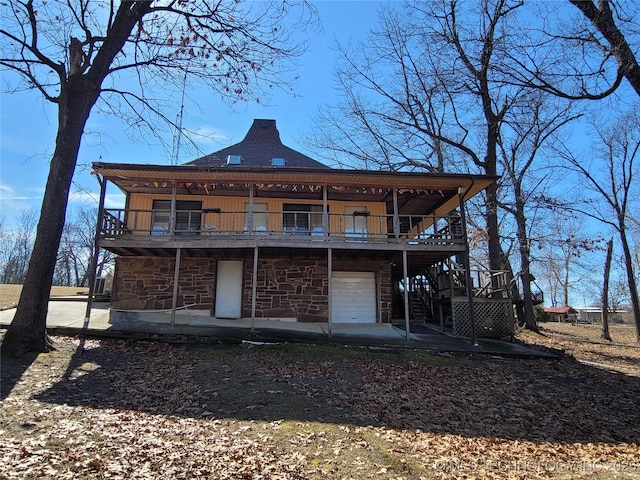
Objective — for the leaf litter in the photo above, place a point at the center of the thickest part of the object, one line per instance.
(115, 409)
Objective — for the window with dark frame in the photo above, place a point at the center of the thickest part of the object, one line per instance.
(302, 219)
(188, 217)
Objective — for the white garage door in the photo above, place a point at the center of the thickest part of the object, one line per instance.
(353, 297)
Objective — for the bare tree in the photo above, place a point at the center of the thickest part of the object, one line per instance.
(429, 90)
(619, 298)
(635, 234)
(581, 53)
(19, 244)
(421, 93)
(76, 54)
(77, 250)
(611, 181)
(63, 273)
(604, 18)
(529, 126)
(5, 244)
(562, 249)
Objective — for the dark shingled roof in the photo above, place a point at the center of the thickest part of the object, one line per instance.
(260, 145)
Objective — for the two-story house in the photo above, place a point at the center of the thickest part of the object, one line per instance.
(259, 230)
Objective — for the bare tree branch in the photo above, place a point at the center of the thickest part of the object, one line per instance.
(239, 50)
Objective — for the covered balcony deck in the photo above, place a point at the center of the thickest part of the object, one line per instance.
(211, 228)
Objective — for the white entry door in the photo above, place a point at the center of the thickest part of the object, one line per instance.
(353, 297)
(229, 289)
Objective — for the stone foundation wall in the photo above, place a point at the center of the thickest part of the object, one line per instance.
(291, 288)
(286, 288)
(146, 283)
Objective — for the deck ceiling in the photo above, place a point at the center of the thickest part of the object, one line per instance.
(418, 193)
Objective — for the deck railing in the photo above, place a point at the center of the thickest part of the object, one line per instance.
(207, 223)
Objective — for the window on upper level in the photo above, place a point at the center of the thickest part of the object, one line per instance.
(188, 217)
(302, 219)
(259, 217)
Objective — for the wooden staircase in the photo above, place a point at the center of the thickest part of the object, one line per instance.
(418, 308)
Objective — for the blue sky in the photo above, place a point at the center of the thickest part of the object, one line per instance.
(28, 123)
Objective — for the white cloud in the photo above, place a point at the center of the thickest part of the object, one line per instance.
(8, 194)
(111, 200)
(114, 200)
(15, 201)
(207, 135)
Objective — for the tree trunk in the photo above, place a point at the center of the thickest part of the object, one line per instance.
(605, 293)
(493, 230)
(497, 258)
(529, 319)
(631, 278)
(79, 92)
(27, 331)
(567, 263)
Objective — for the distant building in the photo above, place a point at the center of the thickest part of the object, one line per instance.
(584, 314)
(594, 315)
(562, 314)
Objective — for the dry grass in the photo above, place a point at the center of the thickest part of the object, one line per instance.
(620, 334)
(583, 342)
(10, 294)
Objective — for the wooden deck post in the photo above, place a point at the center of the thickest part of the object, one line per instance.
(396, 217)
(405, 280)
(172, 213)
(329, 275)
(254, 288)
(325, 212)
(96, 249)
(467, 265)
(250, 212)
(176, 276)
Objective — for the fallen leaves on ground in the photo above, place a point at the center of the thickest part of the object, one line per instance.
(114, 409)
(583, 341)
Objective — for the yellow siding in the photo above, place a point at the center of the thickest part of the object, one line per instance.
(138, 217)
(232, 217)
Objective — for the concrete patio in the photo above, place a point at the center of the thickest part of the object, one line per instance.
(67, 317)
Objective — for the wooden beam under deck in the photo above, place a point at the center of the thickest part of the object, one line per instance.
(138, 244)
(420, 255)
(144, 251)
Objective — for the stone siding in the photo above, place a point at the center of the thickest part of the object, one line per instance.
(146, 283)
(294, 288)
(289, 288)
